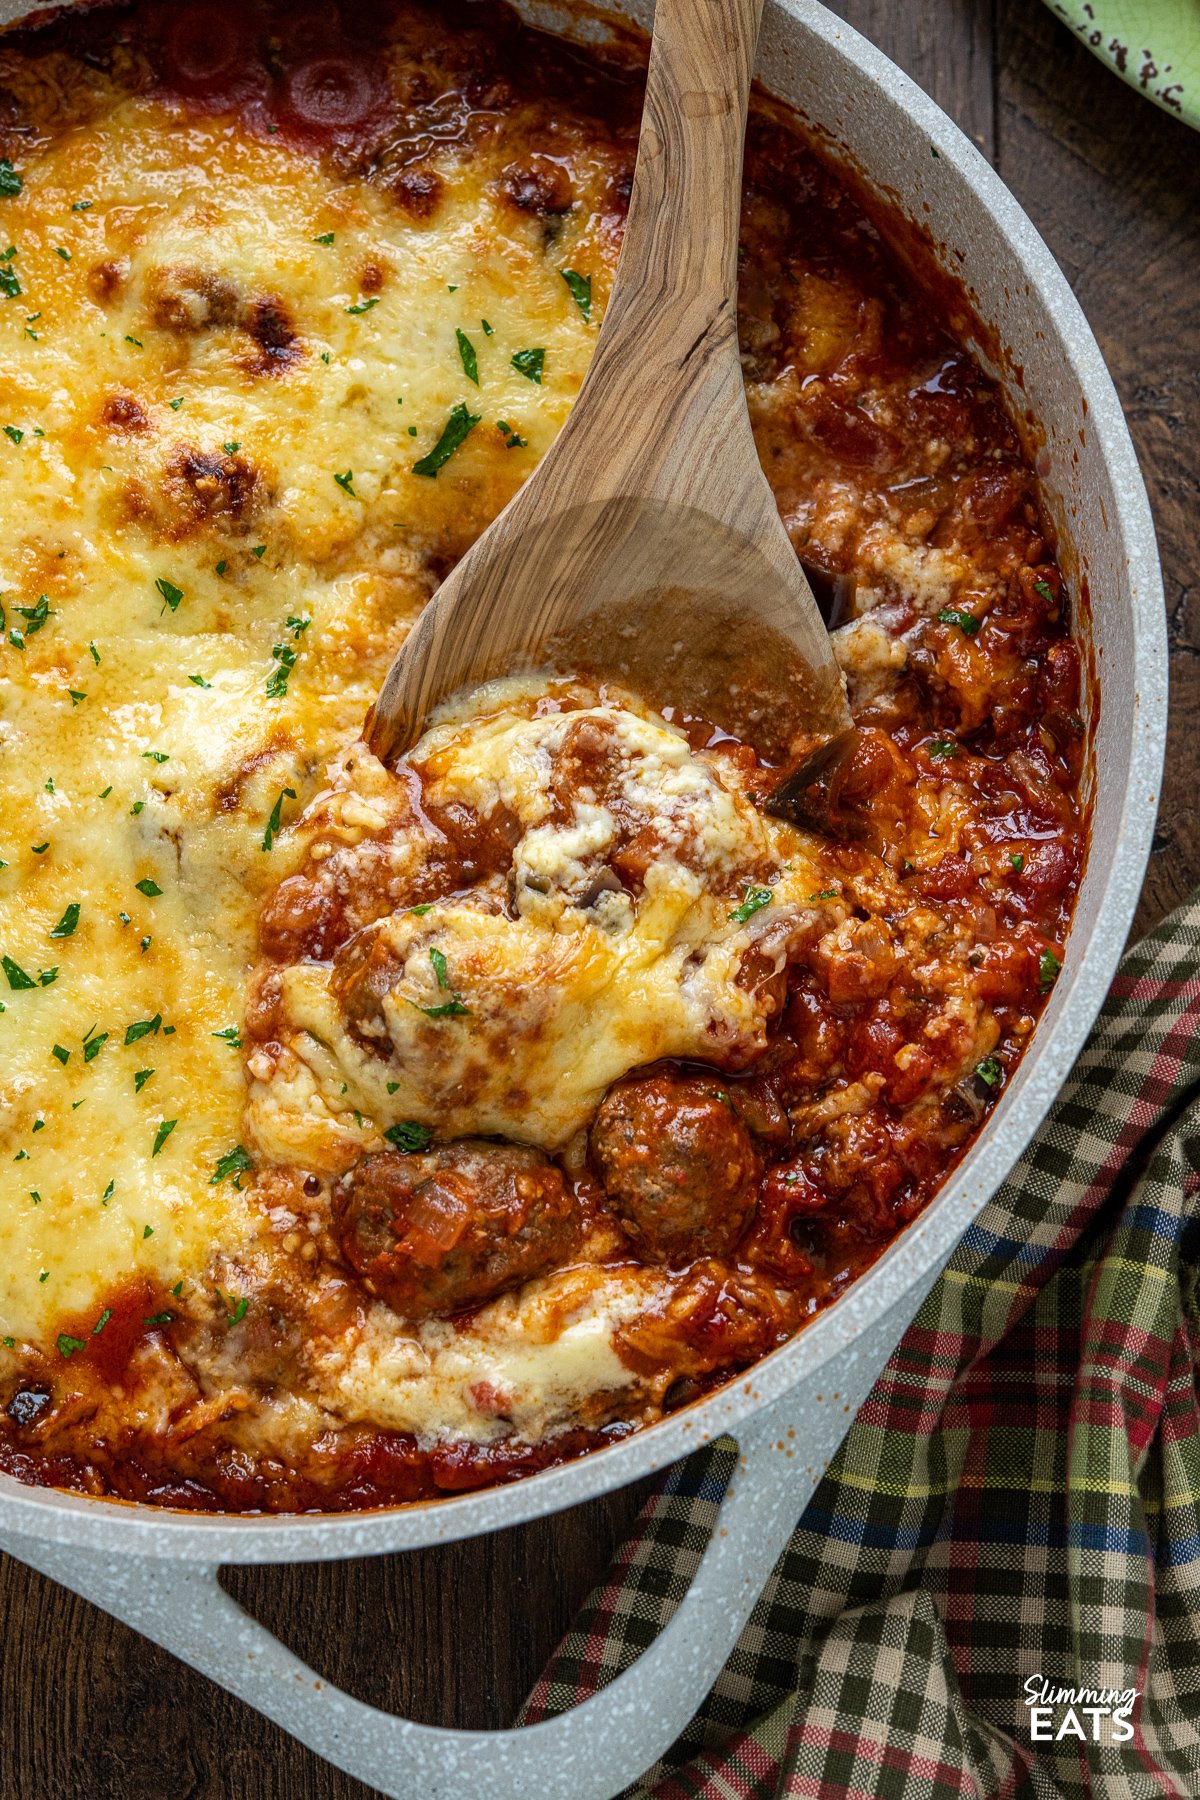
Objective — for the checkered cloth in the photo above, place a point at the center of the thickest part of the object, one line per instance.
(1019, 1496)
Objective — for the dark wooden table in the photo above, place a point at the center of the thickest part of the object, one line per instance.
(88, 1711)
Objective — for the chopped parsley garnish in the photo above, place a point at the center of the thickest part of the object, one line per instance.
(259, 550)
(942, 747)
(237, 1161)
(59, 251)
(170, 593)
(512, 438)
(10, 181)
(199, 681)
(10, 287)
(487, 330)
(418, 912)
(35, 616)
(156, 756)
(392, 1086)
(93, 1044)
(232, 447)
(159, 1319)
(364, 306)
(222, 566)
(581, 290)
(60, 1054)
(140, 1079)
(325, 239)
(166, 1127)
(82, 205)
(40, 849)
(67, 1346)
(439, 968)
(1048, 967)
(239, 1311)
(452, 1009)
(231, 1036)
(346, 482)
(148, 1230)
(754, 899)
(1046, 591)
(470, 361)
(273, 823)
(77, 695)
(990, 1071)
(10, 431)
(285, 659)
(47, 976)
(454, 432)
(409, 1135)
(966, 621)
(102, 1321)
(104, 792)
(70, 919)
(17, 978)
(1016, 861)
(175, 404)
(143, 1028)
(136, 342)
(150, 888)
(108, 1193)
(531, 364)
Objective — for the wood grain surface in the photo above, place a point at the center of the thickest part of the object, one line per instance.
(88, 1711)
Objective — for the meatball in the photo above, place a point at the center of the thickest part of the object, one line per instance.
(678, 1164)
(453, 1226)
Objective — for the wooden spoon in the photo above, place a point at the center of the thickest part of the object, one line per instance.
(646, 547)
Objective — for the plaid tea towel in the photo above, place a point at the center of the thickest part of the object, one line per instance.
(1016, 1510)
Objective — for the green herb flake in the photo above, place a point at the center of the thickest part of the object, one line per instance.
(231, 1036)
(239, 1311)
(418, 912)
(104, 792)
(59, 251)
(259, 550)
(140, 1079)
(452, 1009)
(10, 287)
(136, 342)
(470, 361)
(70, 919)
(325, 239)
(273, 823)
(232, 447)
(92, 1045)
(10, 180)
(392, 1086)
(148, 1230)
(159, 1319)
(170, 593)
(156, 756)
(67, 1346)
(237, 1161)
(143, 1028)
(753, 901)
(77, 695)
(177, 1289)
(439, 968)
(102, 1321)
(990, 1071)
(164, 1131)
(61, 1055)
(942, 747)
(581, 290)
(17, 978)
(1046, 591)
(454, 433)
(222, 566)
(512, 437)
(46, 977)
(531, 364)
(409, 1135)
(1048, 968)
(175, 404)
(150, 888)
(82, 205)
(364, 306)
(1016, 861)
(346, 482)
(966, 622)
(10, 431)
(199, 681)
(487, 330)
(108, 1193)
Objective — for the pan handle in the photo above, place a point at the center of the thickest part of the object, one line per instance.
(589, 1753)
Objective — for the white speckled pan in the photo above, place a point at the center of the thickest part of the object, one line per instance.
(158, 1571)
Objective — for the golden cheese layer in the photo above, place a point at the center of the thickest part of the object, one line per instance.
(208, 555)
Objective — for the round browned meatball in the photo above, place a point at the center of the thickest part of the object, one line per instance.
(453, 1226)
(677, 1163)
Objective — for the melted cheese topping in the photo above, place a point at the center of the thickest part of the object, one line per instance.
(510, 1009)
(175, 502)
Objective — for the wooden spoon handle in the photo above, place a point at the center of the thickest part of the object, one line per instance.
(681, 244)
